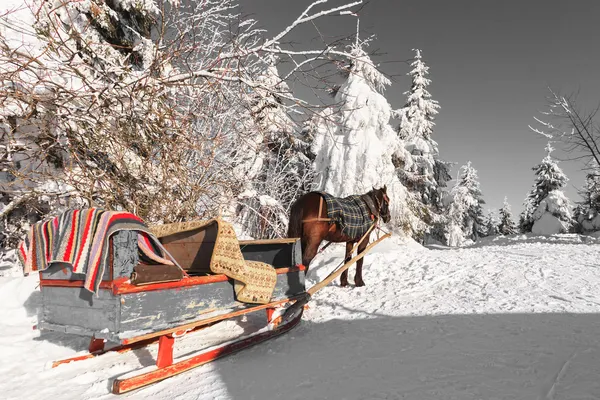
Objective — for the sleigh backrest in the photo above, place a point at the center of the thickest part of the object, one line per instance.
(192, 249)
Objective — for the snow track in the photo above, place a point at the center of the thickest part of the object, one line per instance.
(510, 318)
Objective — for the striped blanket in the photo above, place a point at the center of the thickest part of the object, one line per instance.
(80, 238)
(351, 214)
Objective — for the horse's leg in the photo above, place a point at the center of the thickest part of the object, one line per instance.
(358, 280)
(309, 253)
(312, 236)
(344, 277)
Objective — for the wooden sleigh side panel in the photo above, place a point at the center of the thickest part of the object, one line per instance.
(159, 309)
(122, 310)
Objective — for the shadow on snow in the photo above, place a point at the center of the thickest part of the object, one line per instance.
(503, 356)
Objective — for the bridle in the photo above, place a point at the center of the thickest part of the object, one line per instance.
(379, 204)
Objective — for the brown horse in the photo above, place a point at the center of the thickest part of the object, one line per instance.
(313, 227)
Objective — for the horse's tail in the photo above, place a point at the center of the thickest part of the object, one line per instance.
(295, 223)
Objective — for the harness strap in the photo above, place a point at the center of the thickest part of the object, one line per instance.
(318, 219)
(370, 204)
(320, 206)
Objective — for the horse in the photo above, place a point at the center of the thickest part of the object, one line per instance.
(309, 222)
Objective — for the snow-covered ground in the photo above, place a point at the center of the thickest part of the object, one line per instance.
(515, 318)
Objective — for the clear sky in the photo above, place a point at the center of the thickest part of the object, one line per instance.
(490, 65)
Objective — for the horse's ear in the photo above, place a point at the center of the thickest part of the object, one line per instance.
(384, 188)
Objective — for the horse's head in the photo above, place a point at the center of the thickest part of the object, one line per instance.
(382, 202)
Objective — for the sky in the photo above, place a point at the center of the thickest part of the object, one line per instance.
(491, 63)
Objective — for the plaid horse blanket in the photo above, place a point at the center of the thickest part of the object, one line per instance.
(80, 238)
(350, 213)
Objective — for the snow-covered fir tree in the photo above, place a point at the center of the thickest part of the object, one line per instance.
(587, 213)
(547, 209)
(507, 225)
(354, 153)
(465, 213)
(420, 110)
(427, 175)
(491, 223)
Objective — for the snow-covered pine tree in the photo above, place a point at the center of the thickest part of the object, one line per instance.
(465, 214)
(547, 209)
(355, 155)
(427, 175)
(587, 212)
(491, 223)
(507, 225)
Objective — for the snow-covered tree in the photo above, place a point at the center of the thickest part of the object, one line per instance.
(507, 225)
(465, 214)
(137, 105)
(274, 169)
(427, 175)
(420, 110)
(587, 212)
(81, 121)
(354, 152)
(573, 128)
(492, 223)
(547, 209)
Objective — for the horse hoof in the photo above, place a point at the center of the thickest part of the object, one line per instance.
(343, 284)
(359, 284)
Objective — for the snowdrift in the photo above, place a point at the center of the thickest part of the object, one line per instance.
(510, 317)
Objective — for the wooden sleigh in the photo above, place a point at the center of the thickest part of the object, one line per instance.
(134, 309)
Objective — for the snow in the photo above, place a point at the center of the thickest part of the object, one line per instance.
(357, 156)
(552, 215)
(592, 224)
(18, 14)
(548, 224)
(512, 317)
(9, 265)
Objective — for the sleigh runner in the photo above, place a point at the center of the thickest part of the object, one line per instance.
(207, 276)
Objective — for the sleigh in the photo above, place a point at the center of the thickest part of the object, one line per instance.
(135, 301)
(138, 304)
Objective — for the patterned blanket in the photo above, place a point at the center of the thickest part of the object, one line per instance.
(254, 281)
(351, 214)
(80, 238)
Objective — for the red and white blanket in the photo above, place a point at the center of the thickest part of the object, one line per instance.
(80, 238)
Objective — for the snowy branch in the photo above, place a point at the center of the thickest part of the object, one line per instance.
(568, 125)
